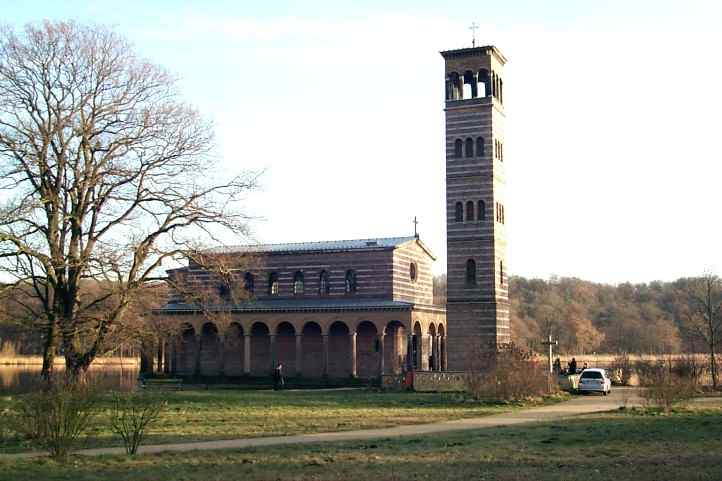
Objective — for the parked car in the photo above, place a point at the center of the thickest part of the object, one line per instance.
(595, 380)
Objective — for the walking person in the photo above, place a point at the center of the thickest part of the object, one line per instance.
(278, 377)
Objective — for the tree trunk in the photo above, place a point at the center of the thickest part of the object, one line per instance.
(146, 358)
(49, 348)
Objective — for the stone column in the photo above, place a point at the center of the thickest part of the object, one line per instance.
(299, 354)
(325, 355)
(197, 360)
(381, 338)
(222, 356)
(424, 353)
(438, 353)
(352, 338)
(444, 364)
(409, 352)
(274, 360)
(246, 354)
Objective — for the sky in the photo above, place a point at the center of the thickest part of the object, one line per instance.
(614, 168)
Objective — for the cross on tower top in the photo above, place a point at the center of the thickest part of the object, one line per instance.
(416, 222)
(473, 28)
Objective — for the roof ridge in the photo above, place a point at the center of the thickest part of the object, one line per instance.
(313, 242)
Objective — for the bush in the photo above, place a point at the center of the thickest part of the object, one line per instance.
(622, 369)
(664, 386)
(56, 417)
(131, 415)
(509, 373)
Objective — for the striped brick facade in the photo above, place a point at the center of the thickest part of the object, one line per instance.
(478, 311)
(386, 325)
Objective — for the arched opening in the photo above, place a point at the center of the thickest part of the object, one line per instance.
(483, 83)
(260, 350)
(501, 273)
(395, 345)
(249, 283)
(324, 288)
(350, 284)
(442, 348)
(470, 273)
(367, 352)
(480, 210)
(273, 284)
(480, 146)
(339, 350)
(469, 85)
(469, 148)
(210, 362)
(458, 148)
(453, 86)
(286, 347)
(233, 350)
(433, 355)
(469, 211)
(459, 212)
(298, 283)
(501, 91)
(416, 350)
(187, 351)
(312, 349)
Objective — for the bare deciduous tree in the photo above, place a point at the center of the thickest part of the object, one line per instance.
(705, 317)
(104, 174)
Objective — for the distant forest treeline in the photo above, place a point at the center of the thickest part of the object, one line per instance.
(589, 317)
(584, 316)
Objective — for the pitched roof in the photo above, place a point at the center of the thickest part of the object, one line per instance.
(380, 243)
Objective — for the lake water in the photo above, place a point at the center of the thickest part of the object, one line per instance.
(20, 379)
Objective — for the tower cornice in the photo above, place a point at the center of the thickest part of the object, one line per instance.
(474, 52)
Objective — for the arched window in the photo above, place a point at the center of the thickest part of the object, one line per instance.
(470, 272)
(412, 272)
(469, 211)
(324, 288)
(248, 282)
(350, 281)
(298, 283)
(501, 273)
(480, 146)
(480, 210)
(469, 148)
(484, 84)
(453, 87)
(469, 85)
(273, 284)
(459, 212)
(224, 291)
(458, 147)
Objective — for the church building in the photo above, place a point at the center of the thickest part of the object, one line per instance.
(364, 308)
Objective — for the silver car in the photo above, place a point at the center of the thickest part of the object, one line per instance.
(595, 380)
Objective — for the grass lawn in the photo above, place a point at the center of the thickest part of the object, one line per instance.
(628, 445)
(224, 414)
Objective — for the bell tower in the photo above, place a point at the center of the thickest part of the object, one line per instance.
(477, 307)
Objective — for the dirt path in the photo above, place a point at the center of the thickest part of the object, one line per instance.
(579, 405)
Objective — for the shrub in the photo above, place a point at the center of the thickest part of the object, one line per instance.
(622, 369)
(508, 373)
(664, 387)
(131, 415)
(56, 417)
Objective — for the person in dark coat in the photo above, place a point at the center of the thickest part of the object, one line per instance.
(278, 377)
(573, 366)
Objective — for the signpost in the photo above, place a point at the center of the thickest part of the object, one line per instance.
(551, 343)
